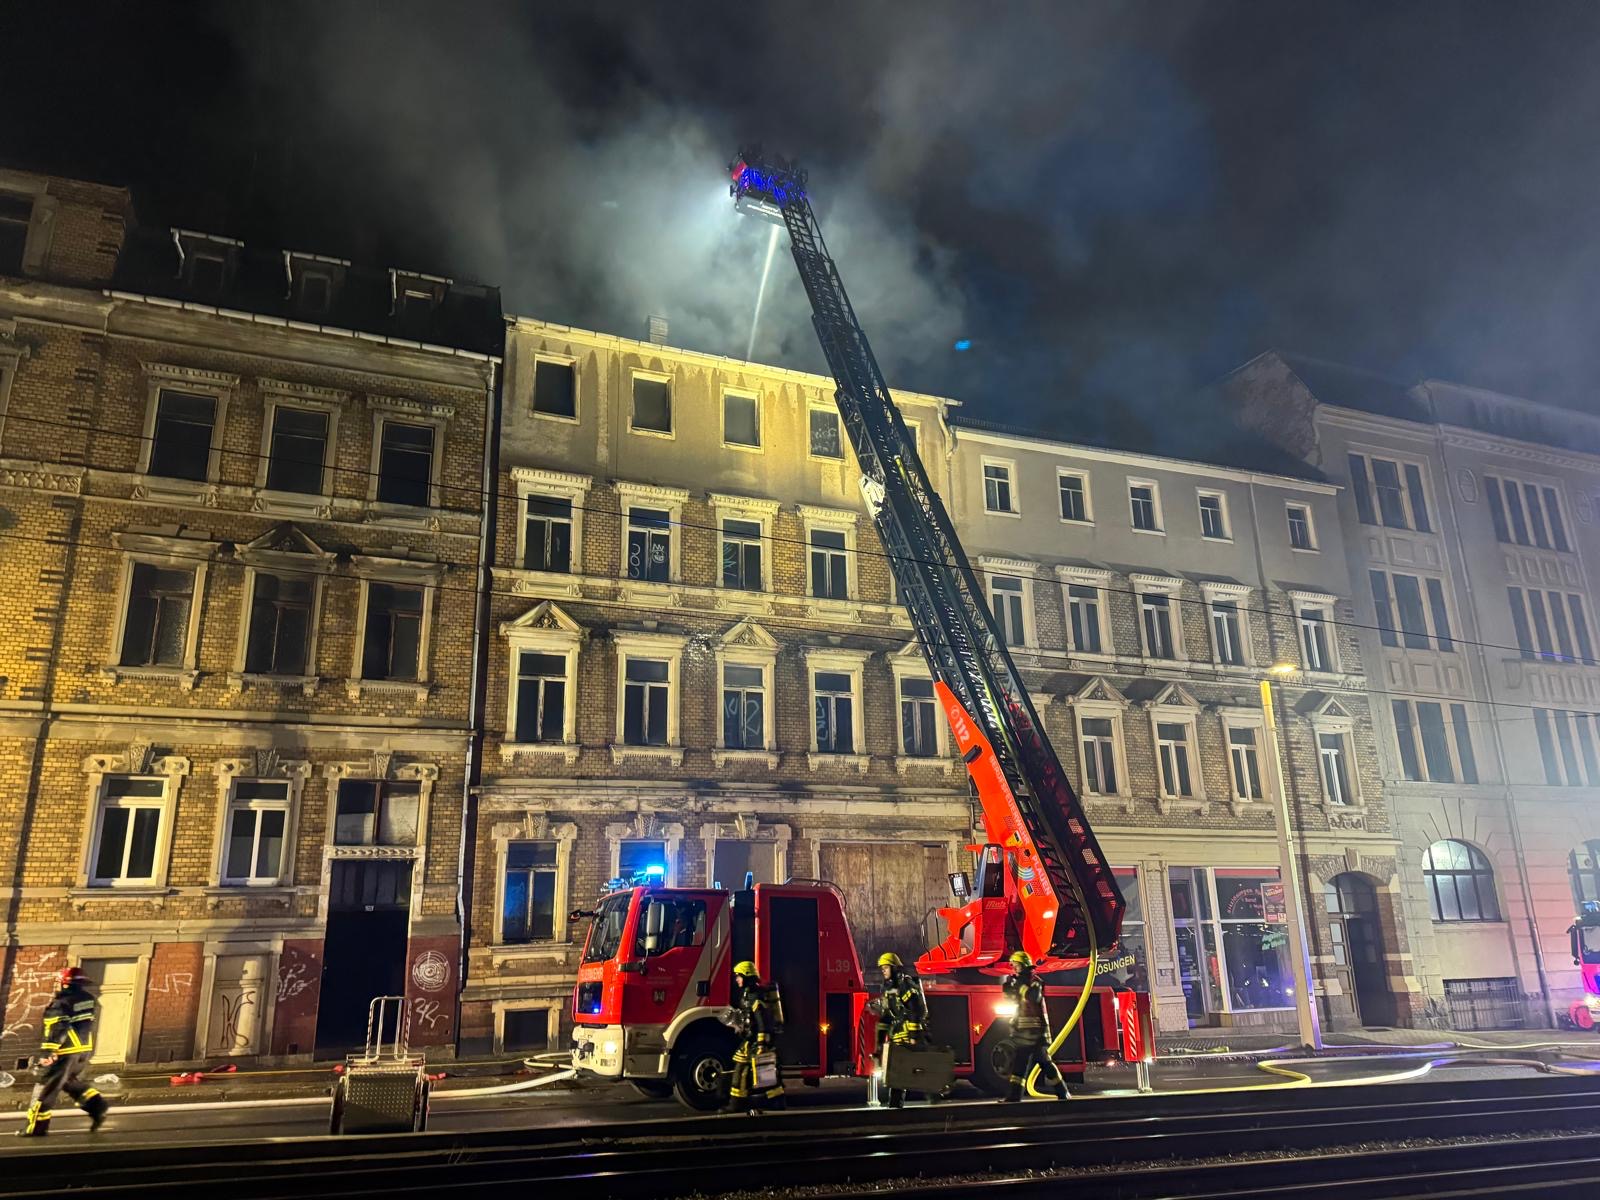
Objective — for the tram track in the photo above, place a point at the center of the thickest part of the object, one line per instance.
(1124, 1144)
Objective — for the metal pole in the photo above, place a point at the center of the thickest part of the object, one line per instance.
(1305, 1001)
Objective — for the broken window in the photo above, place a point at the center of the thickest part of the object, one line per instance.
(554, 389)
(372, 812)
(652, 405)
(157, 629)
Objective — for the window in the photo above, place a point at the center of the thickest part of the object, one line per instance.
(555, 391)
(299, 450)
(528, 897)
(1006, 596)
(1460, 883)
(547, 534)
(376, 812)
(1526, 514)
(280, 625)
(650, 544)
(997, 488)
(156, 632)
(744, 707)
(181, 444)
(127, 831)
(652, 405)
(1315, 644)
(405, 464)
(1422, 625)
(1245, 762)
(825, 442)
(741, 420)
(1083, 613)
(392, 646)
(1567, 743)
(1558, 630)
(541, 697)
(16, 213)
(1172, 751)
(919, 734)
(1389, 493)
(830, 570)
(835, 712)
(741, 555)
(646, 701)
(1099, 755)
(1146, 507)
(1300, 535)
(258, 816)
(1333, 753)
(1435, 741)
(1583, 867)
(314, 291)
(1232, 940)
(1074, 490)
(1226, 636)
(734, 858)
(1155, 620)
(1213, 516)
(640, 860)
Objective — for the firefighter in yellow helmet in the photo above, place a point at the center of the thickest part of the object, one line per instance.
(902, 1012)
(757, 1081)
(1030, 1030)
(64, 1050)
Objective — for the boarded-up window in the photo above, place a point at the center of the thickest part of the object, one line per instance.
(889, 889)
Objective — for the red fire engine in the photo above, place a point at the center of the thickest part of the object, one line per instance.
(656, 970)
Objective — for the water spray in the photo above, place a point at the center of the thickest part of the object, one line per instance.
(761, 292)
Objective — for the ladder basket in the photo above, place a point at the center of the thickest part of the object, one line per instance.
(384, 1089)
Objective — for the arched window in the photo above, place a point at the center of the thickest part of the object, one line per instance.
(1583, 865)
(1460, 883)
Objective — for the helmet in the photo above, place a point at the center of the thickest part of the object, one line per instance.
(70, 975)
(889, 959)
(1022, 959)
(746, 969)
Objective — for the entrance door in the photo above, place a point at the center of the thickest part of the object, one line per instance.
(113, 982)
(238, 998)
(364, 950)
(1355, 928)
(889, 890)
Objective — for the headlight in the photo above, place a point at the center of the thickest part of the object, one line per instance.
(609, 1047)
(1005, 1009)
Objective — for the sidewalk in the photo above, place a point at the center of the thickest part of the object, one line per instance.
(1199, 1043)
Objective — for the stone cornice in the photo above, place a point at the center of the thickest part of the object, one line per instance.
(192, 376)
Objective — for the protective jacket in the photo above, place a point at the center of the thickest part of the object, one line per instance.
(904, 1008)
(763, 1012)
(1027, 993)
(69, 1022)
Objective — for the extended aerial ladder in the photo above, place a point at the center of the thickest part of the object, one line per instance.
(1043, 884)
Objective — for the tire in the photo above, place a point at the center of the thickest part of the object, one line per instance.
(702, 1068)
(653, 1089)
(419, 1123)
(991, 1072)
(336, 1113)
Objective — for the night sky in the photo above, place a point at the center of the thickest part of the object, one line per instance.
(1115, 202)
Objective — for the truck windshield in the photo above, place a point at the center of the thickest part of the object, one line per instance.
(605, 935)
(1591, 942)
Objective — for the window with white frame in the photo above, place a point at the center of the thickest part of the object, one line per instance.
(646, 701)
(997, 488)
(1333, 752)
(257, 826)
(555, 389)
(392, 639)
(741, 420)
(742, 554)
(1174, 753)
(744, 706)
(1158, 624)
(1227, 629)
(1007, 598)
(1567, 742)
(405, 463)
(649, 544)
(834, 705)
(528, 893)
(1526, 514)
(826, 441)
(158, 618)
(830, 564)
(185, 423)
(297, 453)
(547, 534)
(652, 405)
(1551, 625)
(1100, 758)
(542, 648)
(1419, 605)
(1144, 504)
(1316, 636)
(279, 638)
(1301, 534)
(1214, 516)
(377, 812)
(1435, 741)
(543, 693)
(128, 831)
(1388, 492)
(1086, 610)
(1244, 762)
(1073, 489)
(919, 730)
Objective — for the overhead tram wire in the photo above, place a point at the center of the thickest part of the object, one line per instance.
(857, 551)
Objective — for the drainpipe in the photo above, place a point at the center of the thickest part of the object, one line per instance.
(1499, 741)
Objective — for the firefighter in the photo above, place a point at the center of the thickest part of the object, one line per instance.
(64, 1051)
(760, 1013)
(1030, 1030)
(902, 1012)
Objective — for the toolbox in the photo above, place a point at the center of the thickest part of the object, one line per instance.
(929, 1069)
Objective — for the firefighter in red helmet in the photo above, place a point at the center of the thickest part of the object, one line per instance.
(65, 1047)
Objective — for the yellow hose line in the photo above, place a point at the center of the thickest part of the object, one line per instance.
(1083, 997)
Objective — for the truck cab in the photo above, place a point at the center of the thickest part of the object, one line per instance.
(1585, 936)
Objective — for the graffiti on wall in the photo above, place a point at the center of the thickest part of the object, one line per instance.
(33, 985)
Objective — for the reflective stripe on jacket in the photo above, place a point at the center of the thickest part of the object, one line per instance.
(69, 1023)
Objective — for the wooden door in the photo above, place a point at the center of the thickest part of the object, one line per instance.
(238, 996)
(889, 890)
(112, 980)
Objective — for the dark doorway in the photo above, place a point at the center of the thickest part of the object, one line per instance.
(364, 953)
(1358, 947)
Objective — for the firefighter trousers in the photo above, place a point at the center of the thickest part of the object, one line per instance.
(1029, 1051)
(65, 1073)
(744, 1094)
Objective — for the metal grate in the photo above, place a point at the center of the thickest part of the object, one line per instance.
(1481, 1004)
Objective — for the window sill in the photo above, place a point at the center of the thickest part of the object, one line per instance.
(1123, 800)
(1084, 523)
(668, 434)
(817, 760)
(239, 681)
(671, 755)
(723, 757)
(1167, 805)
(1305, 550)
(276, 892)
(905, 763)
(550, 416)
(293, 504)
(160, 487)
(1001, 512)
(184, 677)
(566, 751)
(85, 895)
(552, 951)
(355, 688)
(338, 851)
(1151, 532)
(402, 516)
(529, 581)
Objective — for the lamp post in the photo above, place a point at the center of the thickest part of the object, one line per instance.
(1305, 1001)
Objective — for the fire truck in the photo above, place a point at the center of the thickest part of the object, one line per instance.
(1585, 935)
(655, 977)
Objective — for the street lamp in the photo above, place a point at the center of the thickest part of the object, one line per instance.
(1305, 1002)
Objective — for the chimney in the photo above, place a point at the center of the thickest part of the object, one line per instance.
(658, 330)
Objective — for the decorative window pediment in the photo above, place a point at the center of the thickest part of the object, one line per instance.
(546, 616)
(1098, 690)
(747, 635)
(286, 544)
(1174, 695)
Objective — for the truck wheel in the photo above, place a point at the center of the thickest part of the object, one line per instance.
(991, 1066)
(336, 1114)
(419, 1123)
(652, 1089)
(701, 1071)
